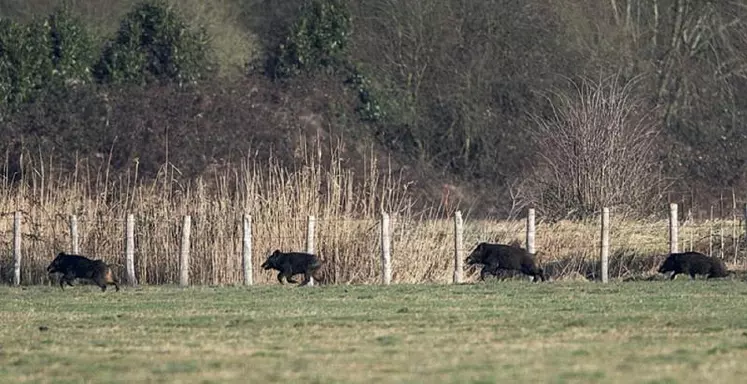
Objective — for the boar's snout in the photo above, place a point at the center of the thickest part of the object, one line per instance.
(472, 259)
(52, 268)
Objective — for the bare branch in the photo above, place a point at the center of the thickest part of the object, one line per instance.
(597, 150)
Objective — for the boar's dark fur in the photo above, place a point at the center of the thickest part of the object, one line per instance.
(693, 263)
(293, 263)
(497, 257)
(80, 267)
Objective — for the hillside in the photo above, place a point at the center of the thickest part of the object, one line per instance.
(566, 107)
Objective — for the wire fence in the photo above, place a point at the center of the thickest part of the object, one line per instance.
(221, 251)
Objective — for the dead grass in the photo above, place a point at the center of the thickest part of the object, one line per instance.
(347, 207)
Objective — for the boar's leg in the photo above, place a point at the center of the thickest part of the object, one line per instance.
(66, 279)
(280, 277)
(288, 272)
(101, 282)
(488, 269)
(110, 279)
(306, 278)
(536, 273)
(290, 278)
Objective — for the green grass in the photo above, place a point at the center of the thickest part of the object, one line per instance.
(664, 331)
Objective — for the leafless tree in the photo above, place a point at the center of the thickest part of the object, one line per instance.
(597, 148)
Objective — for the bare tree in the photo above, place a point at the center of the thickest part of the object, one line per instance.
(596, 149)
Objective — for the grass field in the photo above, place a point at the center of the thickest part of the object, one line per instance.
(512, 331)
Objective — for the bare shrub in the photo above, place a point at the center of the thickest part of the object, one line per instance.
(596, 149)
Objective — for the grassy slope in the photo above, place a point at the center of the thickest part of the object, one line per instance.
(681, 331)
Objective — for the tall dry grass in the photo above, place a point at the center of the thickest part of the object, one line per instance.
(347, 206)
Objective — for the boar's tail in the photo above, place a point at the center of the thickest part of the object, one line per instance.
(110, 277)
(316, 268)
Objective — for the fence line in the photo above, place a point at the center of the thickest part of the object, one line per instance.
(389, 233)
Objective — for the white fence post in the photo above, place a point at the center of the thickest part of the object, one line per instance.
(130, 250)
(75, 245)
(710, 234)
(530, 231)
(247, 251)
(386, 258)
(184, 254)
(17, 248)
(458, 246)
(310, 231)
(673, 229)
(605, 245)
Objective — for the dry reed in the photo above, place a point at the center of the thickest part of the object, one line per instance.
(347, 207)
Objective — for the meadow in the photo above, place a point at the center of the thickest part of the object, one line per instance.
(681, 331)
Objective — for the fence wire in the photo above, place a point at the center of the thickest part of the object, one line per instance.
(422, 251)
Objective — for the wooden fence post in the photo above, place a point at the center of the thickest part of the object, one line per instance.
(386, 259)
(17, 248)
(247, 251)
(673, 229)
(184, 254)
(458, 246)
(310, 232)
(744, 216)
(721, 236)
(75, 245)
(734, 225)
(130, 250)
(605, 244)
(530, 231)
(710, 234)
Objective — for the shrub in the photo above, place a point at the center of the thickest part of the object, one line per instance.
(42, 55)
(369, 106)
(155, 44)
(72, 48)
(315, 40)
(25, 63)
(597, 149)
